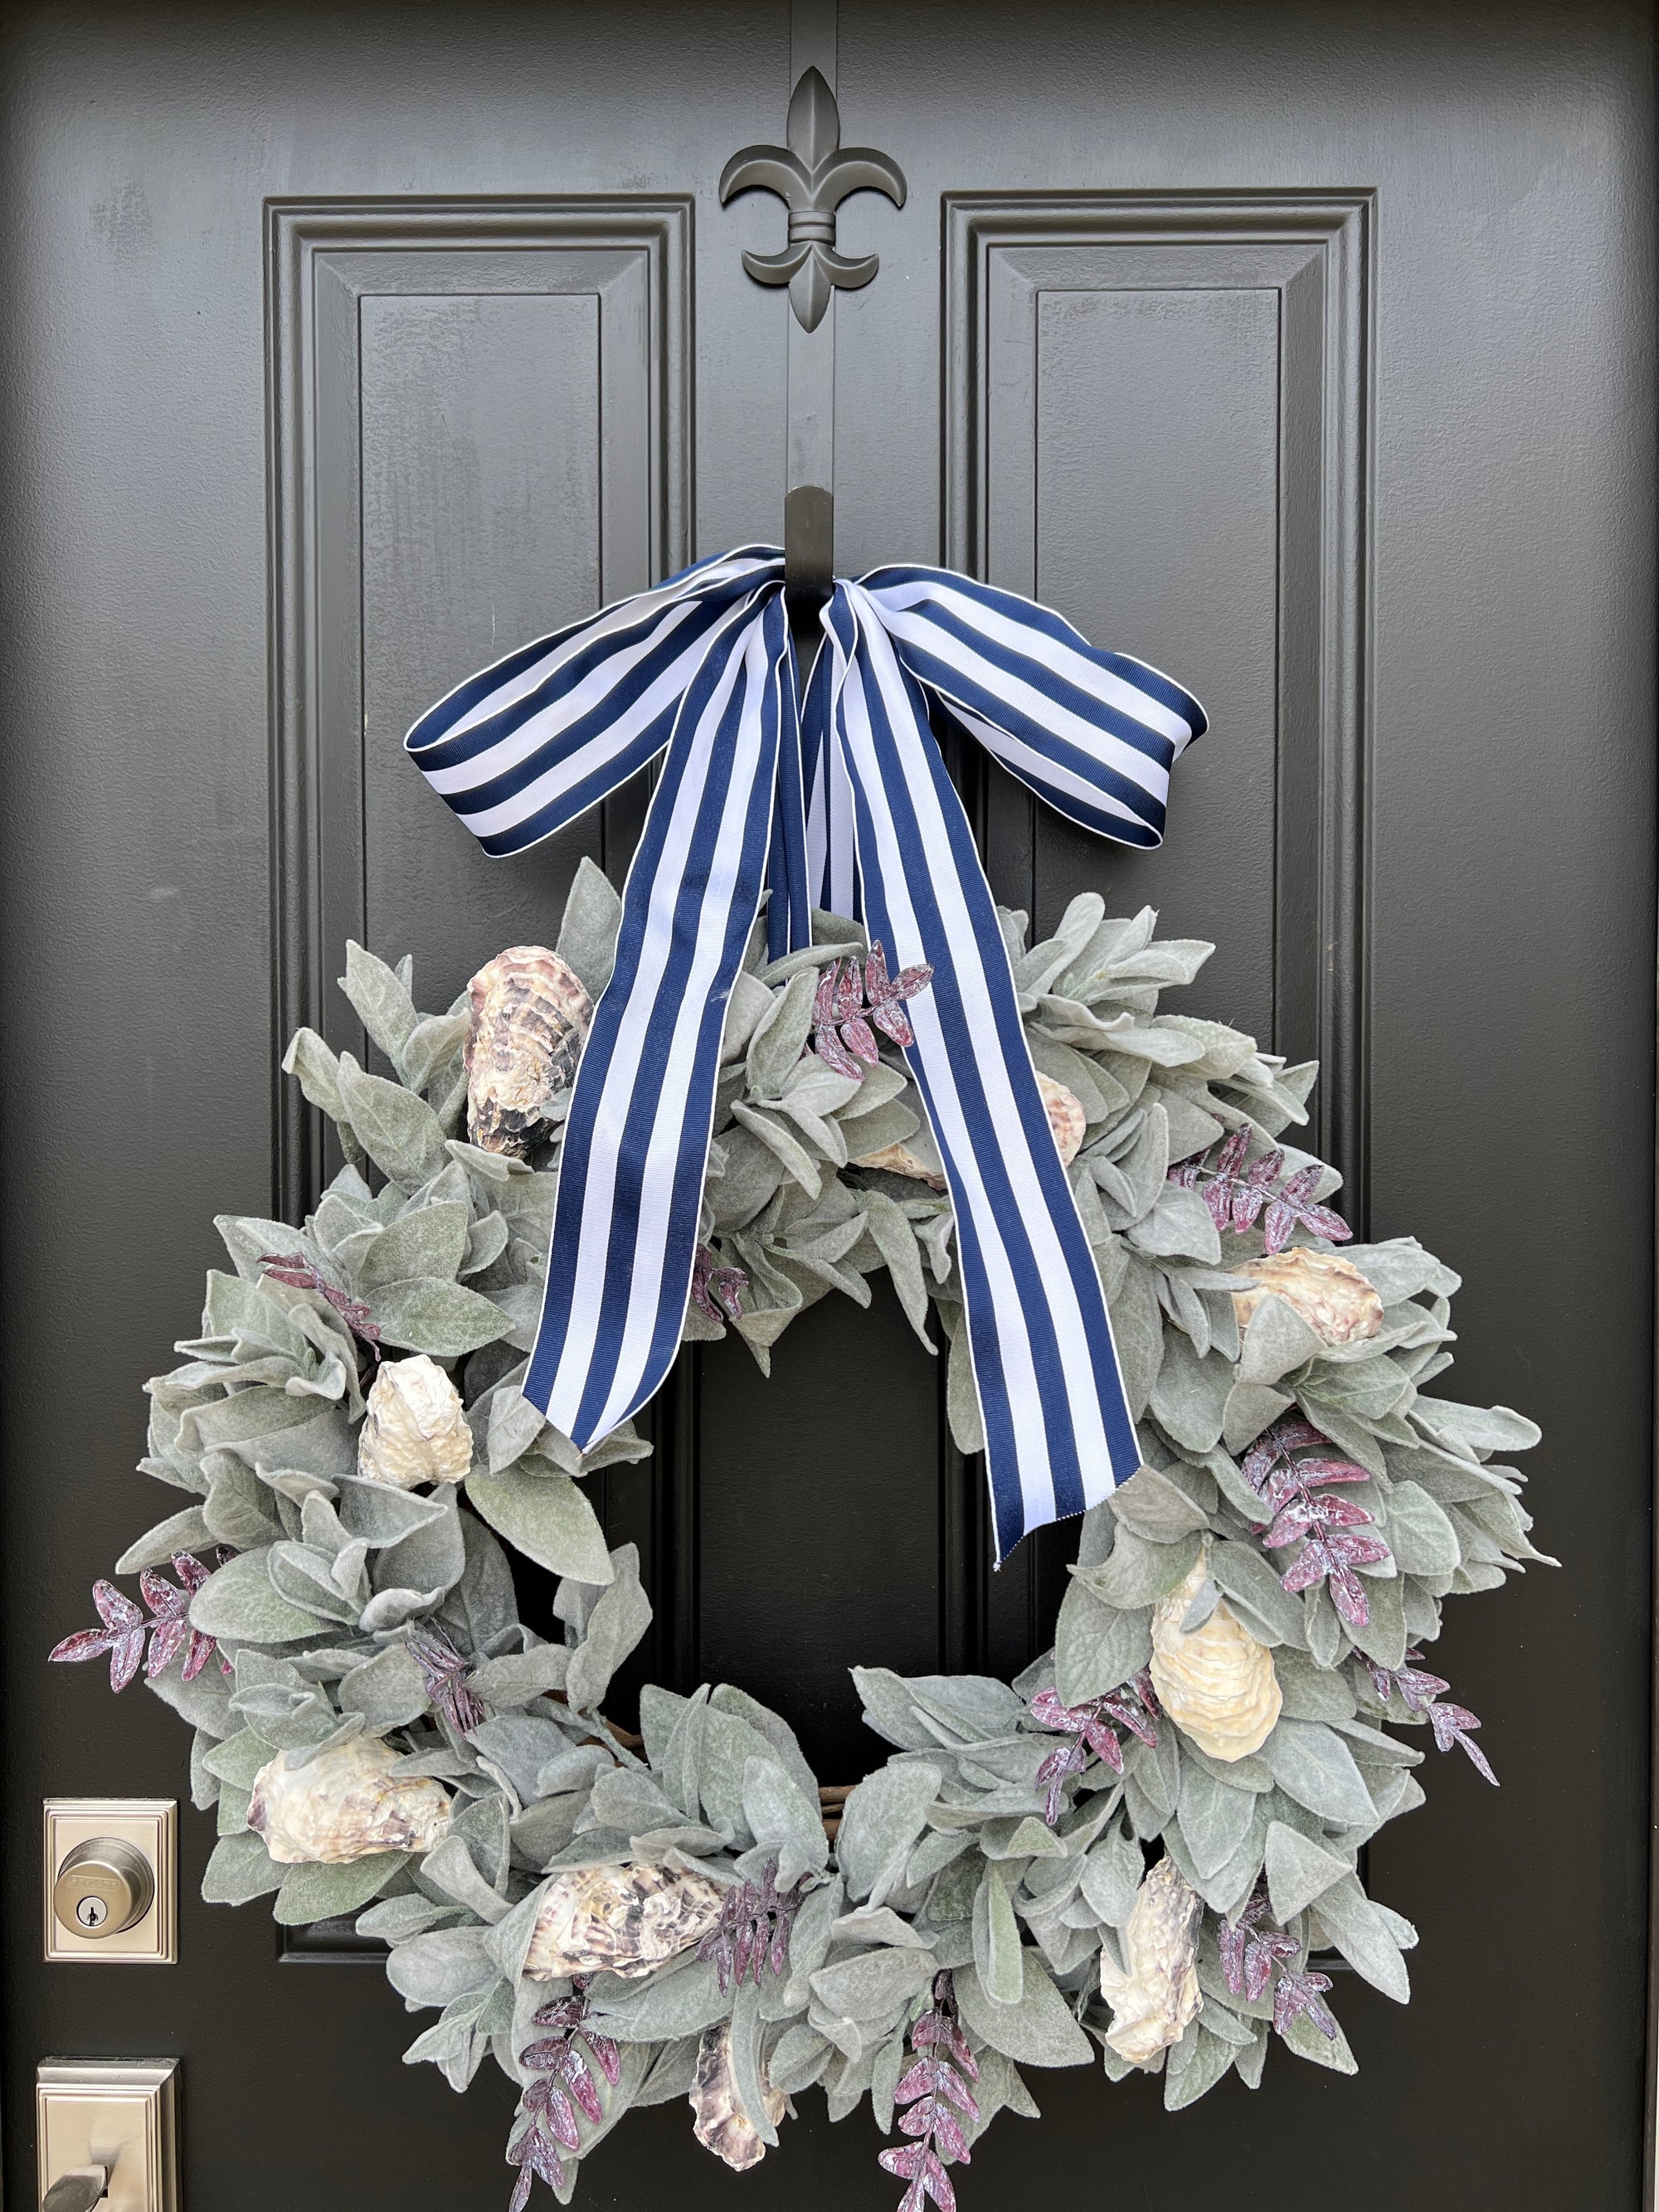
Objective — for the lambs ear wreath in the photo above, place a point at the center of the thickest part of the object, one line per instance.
(1138, 1849)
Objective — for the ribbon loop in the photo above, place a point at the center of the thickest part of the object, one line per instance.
(840, 799)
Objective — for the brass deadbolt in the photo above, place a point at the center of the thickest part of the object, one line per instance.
(104, 1887)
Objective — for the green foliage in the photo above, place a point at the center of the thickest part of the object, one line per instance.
(951, 1857)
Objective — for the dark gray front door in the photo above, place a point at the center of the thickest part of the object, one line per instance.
(1305, 352)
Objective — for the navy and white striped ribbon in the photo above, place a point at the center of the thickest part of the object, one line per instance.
(838, 799)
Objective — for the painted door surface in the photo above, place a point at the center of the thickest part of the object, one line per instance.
(1304, 351)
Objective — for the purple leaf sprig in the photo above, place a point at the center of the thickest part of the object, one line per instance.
(850, 998)
(444, 1671)
(714, 1287)
(564, 2083)
(298, 1273)
(1418, 1692)
(1251, 1953)
(1134, 1705)
(168, 1630)
(1299, 1996)
(1255, 1958)
(1237, 1195)
(753, 1930)
(937, 2092)
(1326, 1528)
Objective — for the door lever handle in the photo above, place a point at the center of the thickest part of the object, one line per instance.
(77, 2191)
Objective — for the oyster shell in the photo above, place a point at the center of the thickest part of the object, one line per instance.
(1065, 1113)
(721, 2124)
(1156, 1997)
(899, 1159)
(414, 1430)
(1218, 1684)
(345, 1804)
(1065, 1110)
(525, 1036)
(1328, 1291)
(619, 1919)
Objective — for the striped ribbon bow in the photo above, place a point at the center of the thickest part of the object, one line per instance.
(841, 801)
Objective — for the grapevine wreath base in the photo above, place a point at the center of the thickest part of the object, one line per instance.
(1132, 1851)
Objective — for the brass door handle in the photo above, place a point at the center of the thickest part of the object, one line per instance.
(77, 2191)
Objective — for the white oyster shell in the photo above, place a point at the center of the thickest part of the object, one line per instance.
(1218, 1684)
(414, 1430)
(1155, 1994)
(624, 1920)
(721, 2124)
(1328, 1291)
(344, 1804)
(529, 1020)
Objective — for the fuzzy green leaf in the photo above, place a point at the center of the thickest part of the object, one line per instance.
(780, 1040)
(1298, 1871)
(547, 1517)
(1312, 1765)
(440, 1318)
(1039, 2031)
(238, 1604)
(1419, 1535)
(429, 1241)
(398, 1131)
(181, 1532)
(587, 935)
(240, 1870)
(1098, 1645)
(996, 1940)
(681, 2002)
(1215, 1819)
(321, 1893)
(881, 1818)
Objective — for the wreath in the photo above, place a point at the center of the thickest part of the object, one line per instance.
(1142, 1847)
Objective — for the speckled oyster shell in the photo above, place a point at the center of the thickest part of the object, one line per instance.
(623, 1920)
(414, 1430)
(1218, 1684)
(345, 1804)
(1328, 1291)
(721, 2124)
(1065, 1113)
(1155, 1996)
(529, 1020)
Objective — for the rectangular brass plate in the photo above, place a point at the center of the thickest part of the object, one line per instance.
(117, 2112)
(152, 1825)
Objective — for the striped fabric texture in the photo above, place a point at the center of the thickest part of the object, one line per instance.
(833, 797)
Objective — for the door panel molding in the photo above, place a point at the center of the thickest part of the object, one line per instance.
(631, 258)
(1011, 262)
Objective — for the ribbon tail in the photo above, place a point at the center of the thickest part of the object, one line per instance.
(636, 1141)
(831, 857)
(789, 903)
(1059, 1434)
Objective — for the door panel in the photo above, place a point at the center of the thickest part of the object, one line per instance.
(1305, 353)
(480, 431)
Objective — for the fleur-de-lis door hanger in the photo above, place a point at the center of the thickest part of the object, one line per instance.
(812, 175)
